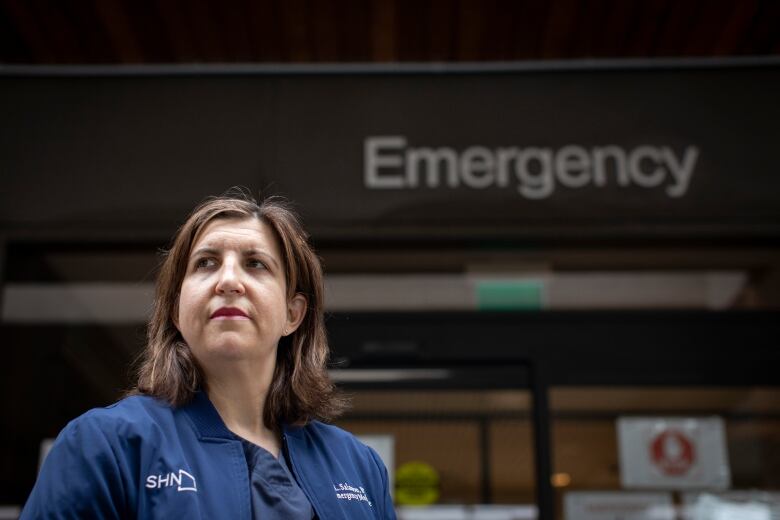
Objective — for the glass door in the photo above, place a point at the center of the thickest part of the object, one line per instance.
(458, 442)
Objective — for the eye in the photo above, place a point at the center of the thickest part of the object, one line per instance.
(205, 262)
(254, 263)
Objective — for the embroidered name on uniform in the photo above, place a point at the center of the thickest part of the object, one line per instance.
(182, 480)
(346, 492)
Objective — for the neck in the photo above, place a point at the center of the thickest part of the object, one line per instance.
(238, 392)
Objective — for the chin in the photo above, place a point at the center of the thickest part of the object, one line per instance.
(229, 351)
(237, 348)
(232, 349)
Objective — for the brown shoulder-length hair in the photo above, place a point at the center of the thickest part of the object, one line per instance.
(301, 388)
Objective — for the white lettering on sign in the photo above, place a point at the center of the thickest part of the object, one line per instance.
(536, 171)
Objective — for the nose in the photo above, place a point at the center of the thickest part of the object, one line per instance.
(229, 281)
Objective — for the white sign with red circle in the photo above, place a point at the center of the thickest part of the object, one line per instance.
(673, 453)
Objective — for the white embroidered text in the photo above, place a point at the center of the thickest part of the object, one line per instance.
(346, 492)
(182, 480)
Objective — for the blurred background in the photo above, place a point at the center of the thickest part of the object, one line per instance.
(551, 230)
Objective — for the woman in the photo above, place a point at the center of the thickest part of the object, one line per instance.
(223, 422)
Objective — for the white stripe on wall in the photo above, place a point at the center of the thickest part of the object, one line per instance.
(123, 303)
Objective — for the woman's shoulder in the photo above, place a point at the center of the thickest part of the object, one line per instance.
(133, 413)
(98, 453)
(334, 438)
(327, 431)
(352, 464)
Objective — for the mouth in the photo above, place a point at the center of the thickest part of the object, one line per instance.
(229, 313)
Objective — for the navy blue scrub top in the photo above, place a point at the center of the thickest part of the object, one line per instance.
(275, 492)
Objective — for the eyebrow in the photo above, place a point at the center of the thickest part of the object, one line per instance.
(245, 252)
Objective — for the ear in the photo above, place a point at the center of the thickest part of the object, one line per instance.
(296, 310)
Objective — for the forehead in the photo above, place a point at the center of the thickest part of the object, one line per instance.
(234, 233)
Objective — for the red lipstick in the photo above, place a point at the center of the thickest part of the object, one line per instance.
(228, 313)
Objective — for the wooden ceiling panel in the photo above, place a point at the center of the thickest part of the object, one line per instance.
(60, 34)
(118, 32)
(265, 31)
(618, 29)
(560, 28)
(763, 35)
(472, 29)
(383, 31)
(331, 43)
(530, 22)
(180, 45)
(679, 23)
(497, 32)
(734, 29)
(647, 24)
(588, 32)
(302, 31)
(296, 24)
(12, 43)
(411, 36)
(207, 30)
(326, 38)
(355, 43)
(239, 39)
(442, 34)
(32, 44)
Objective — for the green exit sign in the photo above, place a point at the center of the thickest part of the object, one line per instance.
(504, 295)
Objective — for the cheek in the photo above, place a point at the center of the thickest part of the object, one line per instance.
(180, 318)
(280, 306)
(187, 307)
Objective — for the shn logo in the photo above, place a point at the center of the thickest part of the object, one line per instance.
(183, 481)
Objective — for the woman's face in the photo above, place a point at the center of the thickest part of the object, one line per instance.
(233, 303)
